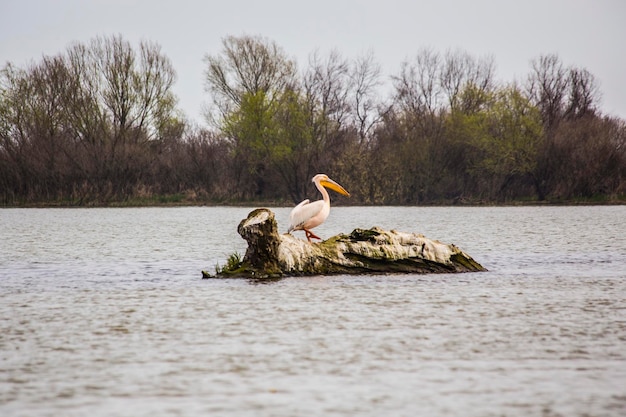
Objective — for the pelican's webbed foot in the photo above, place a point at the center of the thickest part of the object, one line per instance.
(310, 235)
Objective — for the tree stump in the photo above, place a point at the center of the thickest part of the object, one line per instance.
(364, 251)
(260, 230)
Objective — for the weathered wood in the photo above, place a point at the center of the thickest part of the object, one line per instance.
(260, 230)
(363, 251)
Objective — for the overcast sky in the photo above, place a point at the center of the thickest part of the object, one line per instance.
(589, 34)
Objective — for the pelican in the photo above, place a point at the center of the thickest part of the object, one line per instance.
(306, 215)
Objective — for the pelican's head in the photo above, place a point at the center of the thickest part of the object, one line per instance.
(324, 181)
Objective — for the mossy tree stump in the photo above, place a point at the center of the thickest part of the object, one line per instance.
(361, 252)
(260, 230)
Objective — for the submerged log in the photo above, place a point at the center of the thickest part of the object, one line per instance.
(363, 251)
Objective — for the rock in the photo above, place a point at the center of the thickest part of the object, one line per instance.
(361, 252)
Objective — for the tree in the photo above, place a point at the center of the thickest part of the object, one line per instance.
(583, 94)
(247, 65)
(562, 95)
(511, 145)
(326, 84)
(460, 70)
(367, 109)
(435, 95)
(547, 88)
(417, 87)
(135, 88)
(84, 119)
(248, 81)
(33, 115)
(432, 83)
(294, 145)
(251, 130)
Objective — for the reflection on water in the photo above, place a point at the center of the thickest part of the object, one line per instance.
(103, 312)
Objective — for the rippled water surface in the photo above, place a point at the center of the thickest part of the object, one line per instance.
(103, 312)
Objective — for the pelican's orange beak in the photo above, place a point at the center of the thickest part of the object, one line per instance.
(328, 183)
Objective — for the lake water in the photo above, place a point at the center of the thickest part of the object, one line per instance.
(103, 313)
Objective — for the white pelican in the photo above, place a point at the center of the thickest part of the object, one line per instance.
(307, 215)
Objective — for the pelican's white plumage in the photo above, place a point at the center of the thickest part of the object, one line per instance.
(307, 215)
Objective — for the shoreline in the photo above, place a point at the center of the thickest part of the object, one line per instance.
(260, 203)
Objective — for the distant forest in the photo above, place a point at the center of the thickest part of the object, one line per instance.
(98, 124)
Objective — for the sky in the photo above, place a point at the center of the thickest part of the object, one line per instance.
(587, 34)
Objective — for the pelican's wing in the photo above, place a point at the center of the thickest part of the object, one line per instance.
(303, 212)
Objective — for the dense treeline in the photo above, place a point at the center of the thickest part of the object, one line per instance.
(98, 124)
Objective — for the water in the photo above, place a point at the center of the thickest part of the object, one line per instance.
(103, 312)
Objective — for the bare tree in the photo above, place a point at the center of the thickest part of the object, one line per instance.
(547, 88)
(367, 107)
(327, 91)
(115, 60)
(136, 90)
(583, 94)
(326, 82)
(433, 83)
(153, 83)
(459, 70)
(247, 65)
(417, 86)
